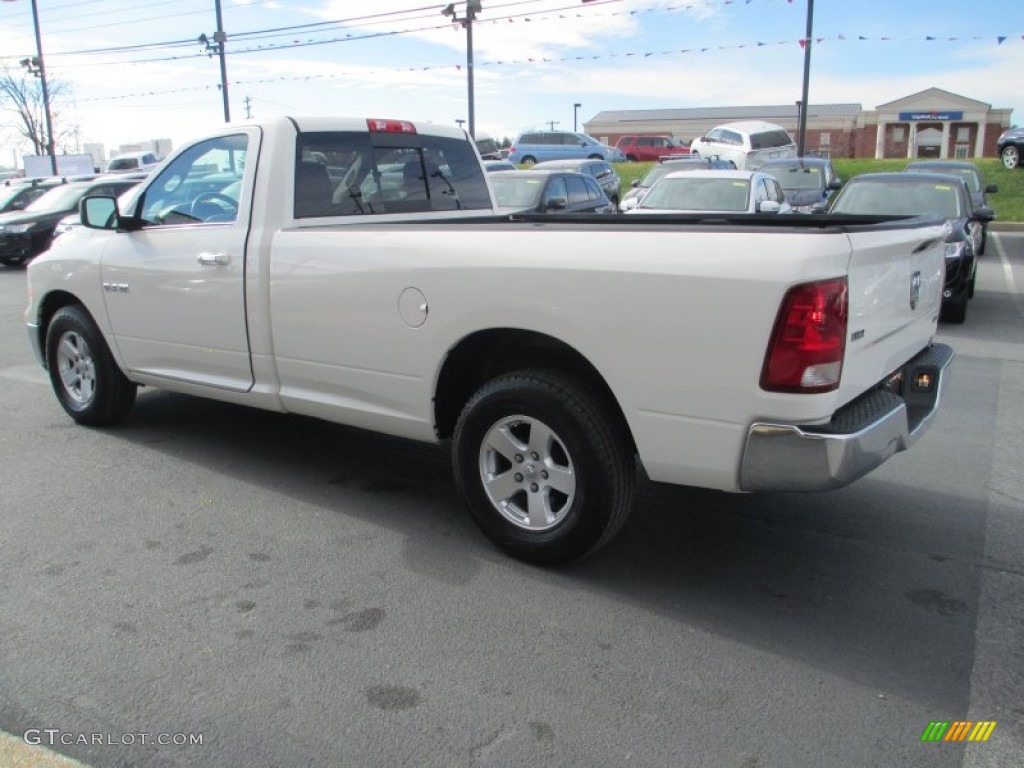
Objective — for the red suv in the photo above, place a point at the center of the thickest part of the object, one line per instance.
(651, 148)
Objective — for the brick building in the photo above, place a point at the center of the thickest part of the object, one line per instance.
(932, 123)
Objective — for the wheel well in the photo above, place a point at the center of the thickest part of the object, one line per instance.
(487, 354)
(48, 307)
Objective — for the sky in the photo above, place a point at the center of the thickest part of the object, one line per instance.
(135, 71)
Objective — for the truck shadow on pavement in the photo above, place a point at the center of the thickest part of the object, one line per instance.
(877, 582)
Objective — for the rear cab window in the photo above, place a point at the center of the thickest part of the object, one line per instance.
(353, 173)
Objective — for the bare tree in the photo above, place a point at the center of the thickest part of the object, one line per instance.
(21, 95)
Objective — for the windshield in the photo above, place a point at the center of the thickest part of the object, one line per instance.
(123, 164)
(7, 194)
(969, 175)
(913, 198)
(511, 191)
(487, 147)
(63, 198)
(654, 174)
(689, 193)
(793, 177)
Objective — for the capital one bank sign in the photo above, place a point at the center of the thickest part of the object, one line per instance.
(939, 116)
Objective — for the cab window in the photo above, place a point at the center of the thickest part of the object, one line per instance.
(202, 185)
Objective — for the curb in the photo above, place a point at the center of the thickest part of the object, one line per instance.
(15, 753)
(1006, 226)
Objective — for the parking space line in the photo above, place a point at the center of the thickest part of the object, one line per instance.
(1007, 267)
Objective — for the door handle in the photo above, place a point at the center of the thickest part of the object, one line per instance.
(210, 258)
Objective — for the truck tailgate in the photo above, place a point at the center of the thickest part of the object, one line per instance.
(895, 291)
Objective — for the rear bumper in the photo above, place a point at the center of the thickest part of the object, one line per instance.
(860, 436)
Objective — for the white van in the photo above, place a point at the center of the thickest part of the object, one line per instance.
(748, 143)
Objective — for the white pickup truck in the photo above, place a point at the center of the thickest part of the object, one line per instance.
(354, 270)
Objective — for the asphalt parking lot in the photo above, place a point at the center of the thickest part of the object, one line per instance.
(300, 594)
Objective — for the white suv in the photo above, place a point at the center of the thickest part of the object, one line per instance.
(133, 161)
(748, 143)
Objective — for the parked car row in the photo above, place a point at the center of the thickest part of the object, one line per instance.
(27, 232)
(34, 212)
(747, 144)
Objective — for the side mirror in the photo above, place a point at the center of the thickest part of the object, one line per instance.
(99, 212)
(635, 183)
(556, 204)
(991, 189)
(836, 183)
(819, 208)
(984, 214)
(629, 205)
(768, 206)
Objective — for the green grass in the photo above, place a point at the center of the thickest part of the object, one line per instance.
(1008, 203)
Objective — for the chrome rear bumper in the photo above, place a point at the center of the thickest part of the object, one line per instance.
(860, 436)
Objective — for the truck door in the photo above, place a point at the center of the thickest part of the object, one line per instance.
(175, 288)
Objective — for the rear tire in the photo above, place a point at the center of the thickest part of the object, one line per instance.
(84, 376)
(546, 473)
(529, 160)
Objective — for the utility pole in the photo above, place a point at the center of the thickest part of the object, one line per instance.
(248, 107)
(220, 38)
(468, 17)
(36, 67)
(217, 46)
(553, 123)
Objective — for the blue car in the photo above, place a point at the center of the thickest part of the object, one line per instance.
(538, 146)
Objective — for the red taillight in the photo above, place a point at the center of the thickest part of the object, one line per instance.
(805, 353)
(390, 126)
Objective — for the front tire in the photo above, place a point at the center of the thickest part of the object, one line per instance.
(1010, 156)
(543, 468)
(84, 376)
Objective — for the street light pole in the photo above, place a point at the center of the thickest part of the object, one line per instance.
(40, 72)
(575, 108)
(808, 39)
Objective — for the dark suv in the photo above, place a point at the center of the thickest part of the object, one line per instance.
(599, 169)
(1010, 145)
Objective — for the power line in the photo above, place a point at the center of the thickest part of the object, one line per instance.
(349, 37)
